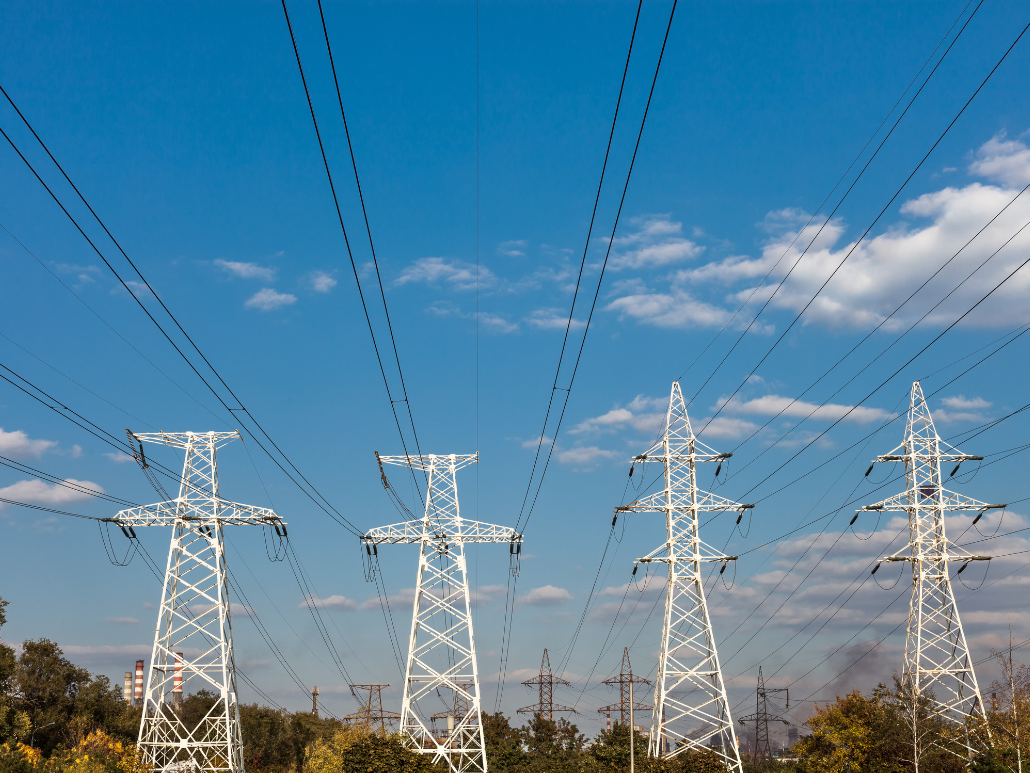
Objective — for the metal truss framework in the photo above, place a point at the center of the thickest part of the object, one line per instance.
(193, 638)
(371, 713)
(691, 709)
(441, 648)
(762, 717)
(545, 682)
(937, 658)
(623, 681)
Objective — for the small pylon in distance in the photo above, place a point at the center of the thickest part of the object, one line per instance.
(623, 681)
(545, 682)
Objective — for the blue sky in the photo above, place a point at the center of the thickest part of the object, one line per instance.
(187, 129)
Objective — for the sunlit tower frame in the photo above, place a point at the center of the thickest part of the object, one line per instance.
(193, 639)
(690, 704)
(937, 657)
(441, 647)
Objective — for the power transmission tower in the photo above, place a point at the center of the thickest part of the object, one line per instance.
(690, 709)
(194, 617)
(937, 658)
(371, 711)
(623, 681)
(545, 681)
(762, 717)
(441, 648)
(454, 715)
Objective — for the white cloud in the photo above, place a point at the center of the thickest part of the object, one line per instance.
(118, 458)
(333, 602)
(552, 319)
(950, 417)
(235, 610)
(585, 456)
(770, 405)
(1007, 161)
(674, 309)
(322, 281)
(513, 248)
(961, 402)
(405, 596)
(546, 596)
(645, 414)
(869, 281)
(37, 492)
(269, 299)
(726, 428)
(497, 323)
(20, 446)
(456, 273)
(486, 594)
(657, 242)
(122, 620)
(247, 270)
(533, 442)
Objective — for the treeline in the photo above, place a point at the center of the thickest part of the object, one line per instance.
(56, 717)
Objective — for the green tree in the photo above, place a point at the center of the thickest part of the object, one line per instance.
(611, 749)
(555, 745)
(46, 685)
(504, 752)
(352, 750)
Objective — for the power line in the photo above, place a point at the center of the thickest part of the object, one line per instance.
(343, 227)
(368, 230)
(509, 602)
(326, 507)
(897, 193)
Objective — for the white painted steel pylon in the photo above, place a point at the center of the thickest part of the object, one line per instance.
(442, 648)
(936, 654)
(691, 710)
(194, 616)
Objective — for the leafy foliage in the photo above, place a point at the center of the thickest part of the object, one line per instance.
(352, 750)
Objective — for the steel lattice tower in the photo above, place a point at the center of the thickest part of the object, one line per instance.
(194, 615)
(761, 718)
(690, 707)
(545, 682)
(936, 654)
(623, 680)
(371, 711)
(441, 648)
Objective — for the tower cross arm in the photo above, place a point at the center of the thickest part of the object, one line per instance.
(948, 500)
(178, 510)
(415, 532)
(427, 461)
(705, 553)
(680, 501)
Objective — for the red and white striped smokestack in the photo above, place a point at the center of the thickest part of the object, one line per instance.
(127, 689)
(177, 680)
(137, 696)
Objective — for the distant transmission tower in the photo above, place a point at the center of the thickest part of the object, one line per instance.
(442, 649)
(690, 709)
(762, 717)
(194, 614)
(623, 680)
(937, 658)
(371, 711)
(545, 682)
(453, 716)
